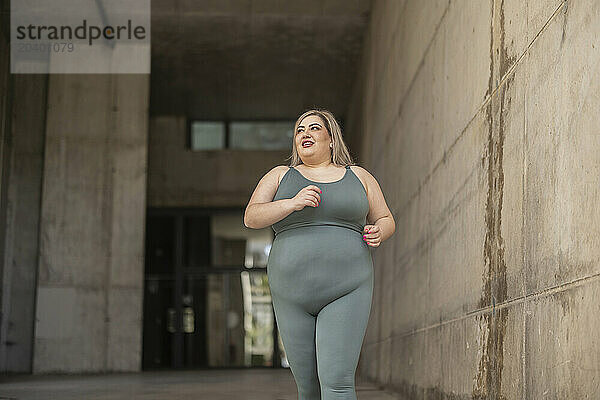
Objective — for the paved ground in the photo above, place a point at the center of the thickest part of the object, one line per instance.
(230, 384)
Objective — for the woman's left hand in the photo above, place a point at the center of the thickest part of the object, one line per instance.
(372, 235)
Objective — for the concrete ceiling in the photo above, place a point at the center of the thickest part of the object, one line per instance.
(254, 59)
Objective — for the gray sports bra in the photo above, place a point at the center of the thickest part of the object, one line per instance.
(344, 202)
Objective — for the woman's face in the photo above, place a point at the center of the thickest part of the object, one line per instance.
(312, 129)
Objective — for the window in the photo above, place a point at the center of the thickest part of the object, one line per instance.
(206, 135)
(261, 135)
(242, 135)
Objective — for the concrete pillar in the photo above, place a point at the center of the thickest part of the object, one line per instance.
(90, 287)
(22, 125)
(23, 185)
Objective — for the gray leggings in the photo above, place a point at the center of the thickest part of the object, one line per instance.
(321, 292)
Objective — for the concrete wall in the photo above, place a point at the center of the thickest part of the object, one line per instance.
(480, 121)
(22, 125)
(23, 184)
(90, 286)
(180, 177)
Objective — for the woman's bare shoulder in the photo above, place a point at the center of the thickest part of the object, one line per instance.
(364, 175)
(267, 185)
(279, 171)
(273, 176)
(363, 172)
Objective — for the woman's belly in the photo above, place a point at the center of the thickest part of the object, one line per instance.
(315, 265)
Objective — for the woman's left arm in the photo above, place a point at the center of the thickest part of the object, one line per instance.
(380, 221)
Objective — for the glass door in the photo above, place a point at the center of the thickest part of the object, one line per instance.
(206, 297)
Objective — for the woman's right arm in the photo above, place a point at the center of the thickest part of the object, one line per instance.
(262, 211)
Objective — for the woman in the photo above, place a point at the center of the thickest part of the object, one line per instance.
(320, 269)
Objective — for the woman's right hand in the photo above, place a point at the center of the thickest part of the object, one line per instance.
(307, 196)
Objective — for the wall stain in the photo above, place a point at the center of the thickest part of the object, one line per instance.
(564, 25)
(488, 381)
(411, 391)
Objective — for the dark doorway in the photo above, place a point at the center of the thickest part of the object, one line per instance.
(174, 335)
(201, 304)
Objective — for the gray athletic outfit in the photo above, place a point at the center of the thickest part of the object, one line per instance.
(320, 273)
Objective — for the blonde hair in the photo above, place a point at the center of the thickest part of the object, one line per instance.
(339, 153)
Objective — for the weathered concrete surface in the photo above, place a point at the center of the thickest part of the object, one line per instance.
(22, 125)
(480, 122)
(254, 59)
(89, 297)
(224, 384)
(23, 185)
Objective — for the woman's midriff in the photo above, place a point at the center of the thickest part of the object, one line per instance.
(326, 261)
